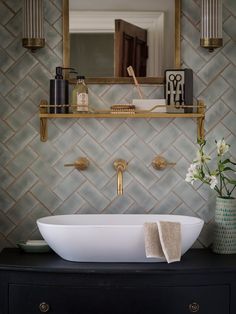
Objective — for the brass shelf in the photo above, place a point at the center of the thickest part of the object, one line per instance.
(43, 115)
(108, 114)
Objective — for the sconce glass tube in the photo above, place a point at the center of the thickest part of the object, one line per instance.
(33, 32)
(211, 24)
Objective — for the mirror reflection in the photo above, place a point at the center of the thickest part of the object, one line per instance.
(106, 36)
(110, 41)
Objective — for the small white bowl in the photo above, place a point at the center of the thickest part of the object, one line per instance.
(34, 246)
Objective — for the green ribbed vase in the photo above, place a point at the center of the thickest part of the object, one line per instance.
(224, 241)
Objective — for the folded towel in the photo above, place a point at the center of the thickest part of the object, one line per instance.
(152, 241)
(163, 239)
(170, 238)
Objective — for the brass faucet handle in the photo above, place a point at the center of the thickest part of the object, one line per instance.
(160, 163)
(81, 163)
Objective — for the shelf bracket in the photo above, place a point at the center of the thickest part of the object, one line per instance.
(43, 122)
(201, 121)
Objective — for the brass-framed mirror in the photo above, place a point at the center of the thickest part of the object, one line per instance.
(121, 80)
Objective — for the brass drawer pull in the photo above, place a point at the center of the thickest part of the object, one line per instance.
(44, 307)
(194, 307)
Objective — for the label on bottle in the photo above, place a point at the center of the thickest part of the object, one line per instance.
(82, 102)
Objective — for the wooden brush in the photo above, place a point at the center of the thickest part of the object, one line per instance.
(123, 108)
(131, 73)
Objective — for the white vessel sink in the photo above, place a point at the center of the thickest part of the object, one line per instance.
(109, 238)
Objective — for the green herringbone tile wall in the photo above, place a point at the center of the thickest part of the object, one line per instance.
(34, 181)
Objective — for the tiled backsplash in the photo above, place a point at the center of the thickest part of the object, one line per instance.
(34, 181)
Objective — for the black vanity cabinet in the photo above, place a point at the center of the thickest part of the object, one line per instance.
(202, 282)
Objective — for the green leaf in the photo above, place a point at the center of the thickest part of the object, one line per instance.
(232, 181)
(221, 167)
(226, 161)
(228, 168)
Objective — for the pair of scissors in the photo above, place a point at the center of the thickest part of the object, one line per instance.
(175, 78)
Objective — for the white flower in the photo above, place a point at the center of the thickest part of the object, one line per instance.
(192, 173)
(190, 178)
(212, 181)
(222, 147)
(201, 157)
(217, 176)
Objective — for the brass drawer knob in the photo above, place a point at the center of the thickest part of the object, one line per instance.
(44, 307)
(194, 307)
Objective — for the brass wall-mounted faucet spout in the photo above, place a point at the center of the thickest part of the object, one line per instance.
(120, 166)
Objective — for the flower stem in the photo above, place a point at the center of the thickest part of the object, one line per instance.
(232, 190)
(218, 191)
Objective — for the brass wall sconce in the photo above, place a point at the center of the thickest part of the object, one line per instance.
(33, 32)
(81, 163)
(211, 24)
(160, 163)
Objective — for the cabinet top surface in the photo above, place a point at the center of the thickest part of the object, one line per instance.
(197, 260)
